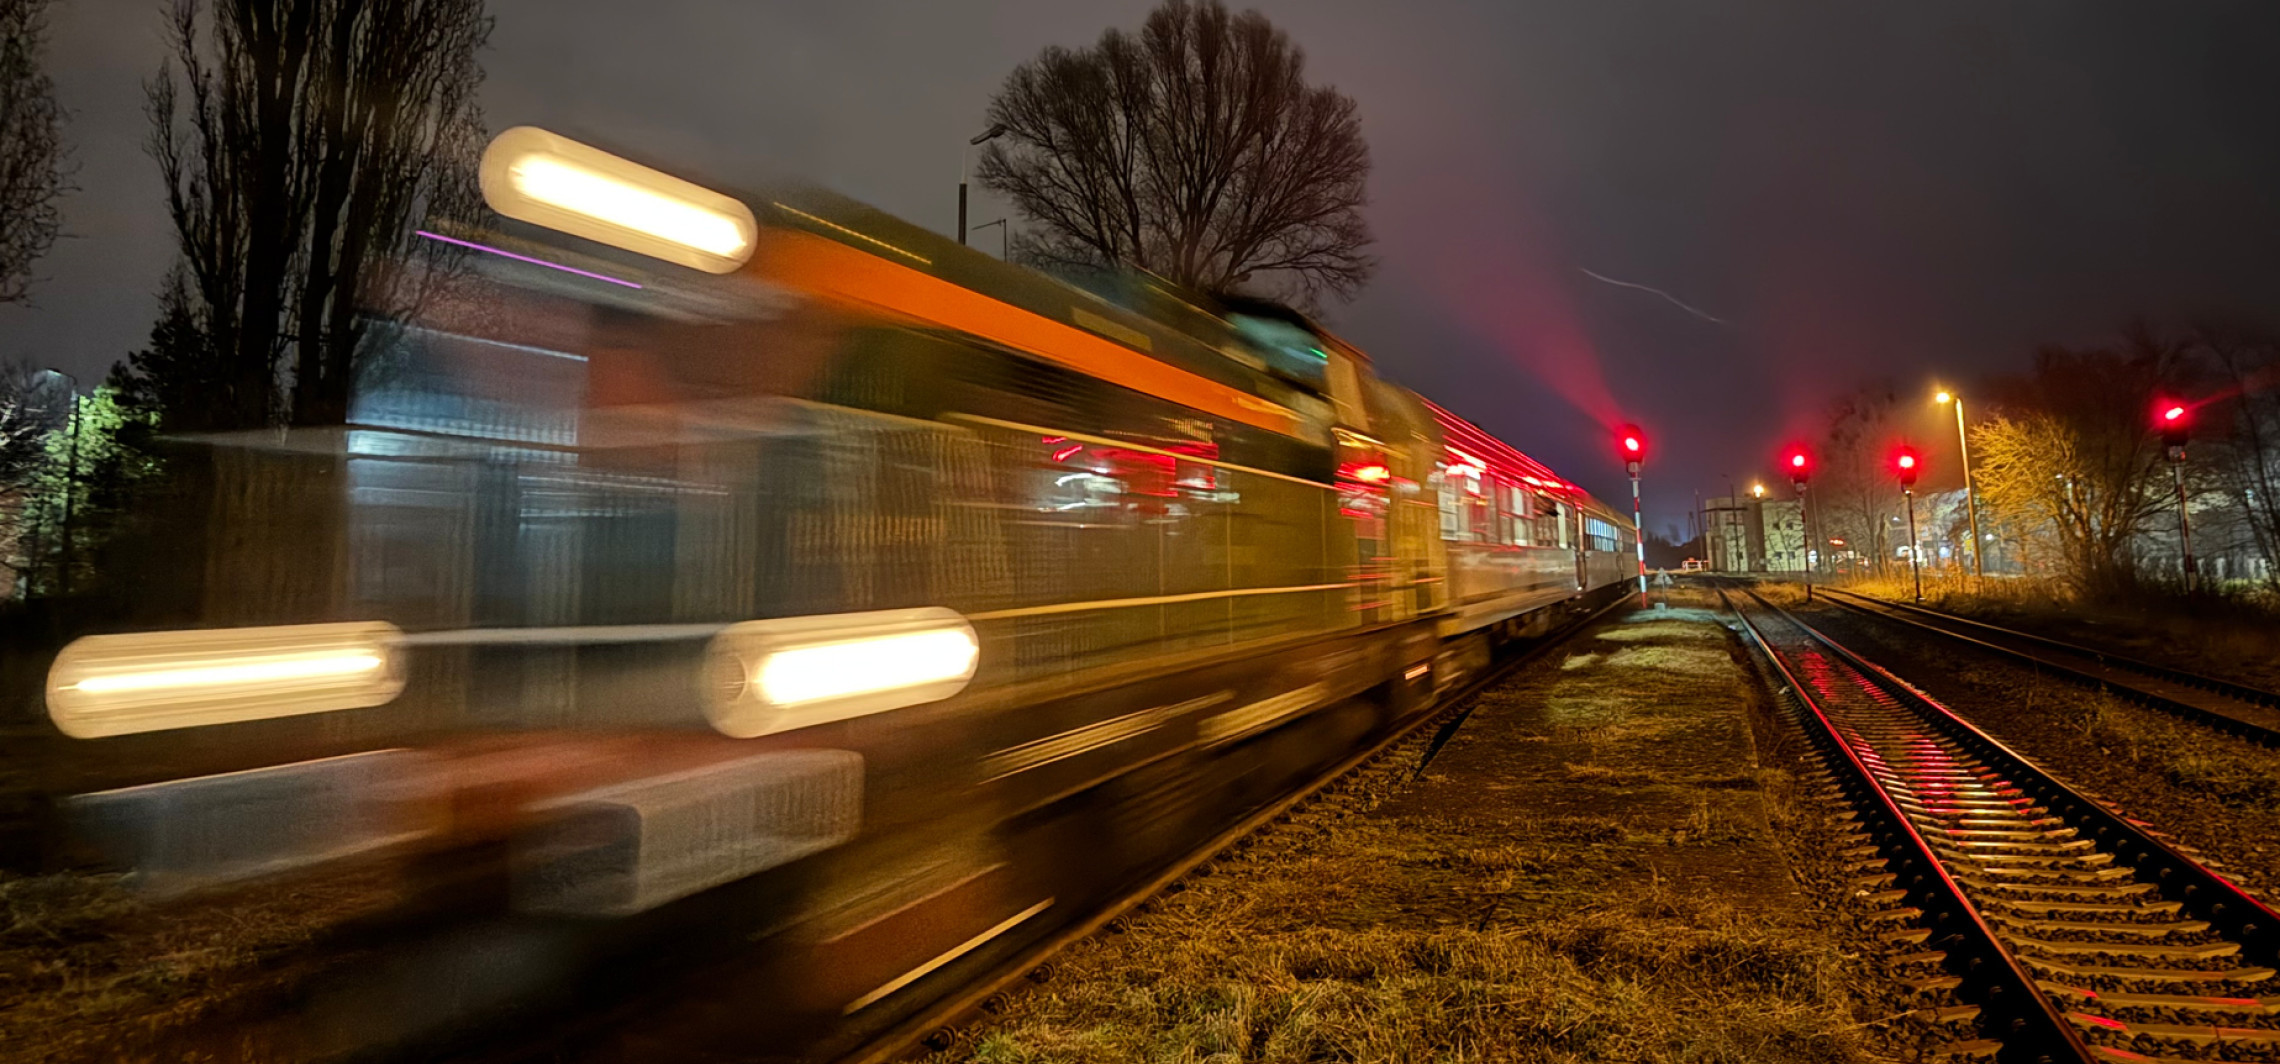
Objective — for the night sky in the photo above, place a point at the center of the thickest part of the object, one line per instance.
(1905, 191)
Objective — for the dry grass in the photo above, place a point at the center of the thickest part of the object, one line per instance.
(2227, 634)
(1587, 987)
(1268, 962)
(88, 971)
(2183, 754)
(1534, 930)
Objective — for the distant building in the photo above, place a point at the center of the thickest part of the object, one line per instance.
(1744, 534)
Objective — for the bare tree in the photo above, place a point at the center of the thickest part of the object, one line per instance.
(31, 406)
(2071, 453)
(2246, 364)
(32, 176)
(34, 405)
(299, 141)
(1856, 494)
(1195, 150)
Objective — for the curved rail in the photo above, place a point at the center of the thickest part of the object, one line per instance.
(2236, 709)
(2052, 848)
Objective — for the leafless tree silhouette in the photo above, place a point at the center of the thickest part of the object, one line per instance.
(300, 141)
(1194, 149)
(32, 177)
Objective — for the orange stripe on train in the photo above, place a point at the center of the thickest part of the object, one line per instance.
(827, 269)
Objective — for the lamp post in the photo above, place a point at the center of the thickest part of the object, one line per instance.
(1970, 496)
(965, 163)
(1757, 516)
(70, 482)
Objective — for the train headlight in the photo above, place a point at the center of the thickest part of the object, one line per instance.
(545, 179)
(105, 685)
(776, 675)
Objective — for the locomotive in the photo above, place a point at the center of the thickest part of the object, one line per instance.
(768, 611)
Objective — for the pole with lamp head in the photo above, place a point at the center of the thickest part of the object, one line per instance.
(1970, 494)
(966, 163)
(70, 484)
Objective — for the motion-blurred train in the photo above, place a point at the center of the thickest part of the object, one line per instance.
(739, 619)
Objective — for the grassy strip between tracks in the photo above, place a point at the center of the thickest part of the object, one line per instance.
(1585, 874)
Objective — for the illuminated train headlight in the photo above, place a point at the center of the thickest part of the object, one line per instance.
(776, 675)
(106, 685)
(545, 179)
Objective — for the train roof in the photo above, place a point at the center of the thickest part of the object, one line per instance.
(1477, 441)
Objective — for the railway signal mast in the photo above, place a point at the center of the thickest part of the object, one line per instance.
(1800, 466)
(2175, 423)
(1632, 444)
(1906, 464)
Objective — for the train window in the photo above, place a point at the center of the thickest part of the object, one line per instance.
(1290, 352)
(1552, 526)
(1451, 519)
(1480, 513)
(1599, 534)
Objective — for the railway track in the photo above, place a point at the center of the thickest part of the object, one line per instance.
(934, 1027)
(2238, 709)
(2050, 925)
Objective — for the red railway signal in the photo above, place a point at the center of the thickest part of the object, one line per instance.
(2174, 420)
(1799, 465)
(1906, 464)
(1632, 445)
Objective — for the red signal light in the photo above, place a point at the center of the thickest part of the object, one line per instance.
(1798, 462)
(2174, 420)
(1633, 445)
(1906, 464)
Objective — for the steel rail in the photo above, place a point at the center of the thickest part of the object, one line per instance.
(1993, 978)
(1899, 613)
(2200, 891)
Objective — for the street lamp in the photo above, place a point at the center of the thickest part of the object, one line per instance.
(70, 480)
(965, 163)
(1970, 496)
